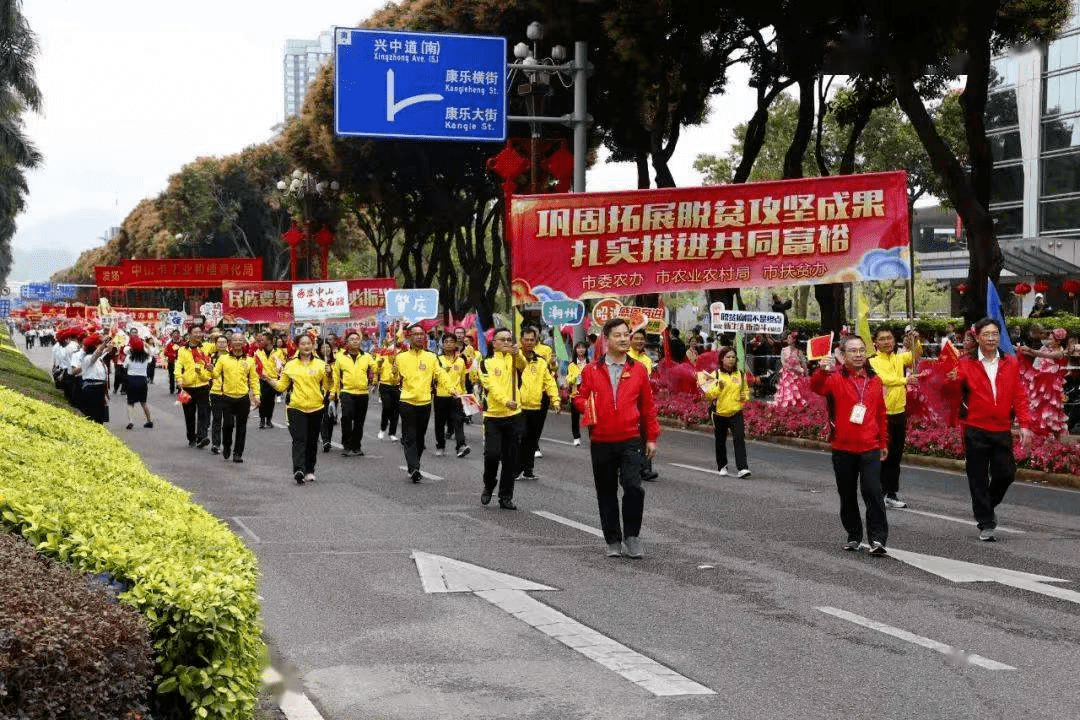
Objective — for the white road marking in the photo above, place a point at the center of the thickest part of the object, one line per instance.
(954, 519)
(956, 654)
(441, 574)
(296, 706)
(570, 523)
(695, 467)
(246, 529)
(561, 442)
(423, 473)
(960, 571)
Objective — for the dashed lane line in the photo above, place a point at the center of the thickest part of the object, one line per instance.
(569, 523)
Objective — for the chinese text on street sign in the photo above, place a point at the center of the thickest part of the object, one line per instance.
(412, 305)
(748, 321)
(432, 86)
(320, 301)
(563, 312)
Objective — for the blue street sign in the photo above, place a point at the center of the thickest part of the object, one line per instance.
(412, 305)
(5, 307)
(563, 312)
(411, 85)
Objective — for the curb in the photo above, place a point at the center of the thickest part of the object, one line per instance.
(1036, 477)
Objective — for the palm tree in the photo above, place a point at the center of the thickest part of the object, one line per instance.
(18, 93)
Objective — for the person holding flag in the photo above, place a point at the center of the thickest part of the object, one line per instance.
(729, 390)
(890, 366)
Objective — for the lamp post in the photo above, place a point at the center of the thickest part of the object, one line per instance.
(539, 73)
(312, 202)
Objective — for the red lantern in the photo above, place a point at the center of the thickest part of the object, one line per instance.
(1022, 288)
(1072, 287)
(963, 288)
(1042, 286)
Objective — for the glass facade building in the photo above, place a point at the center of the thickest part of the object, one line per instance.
(301, 64)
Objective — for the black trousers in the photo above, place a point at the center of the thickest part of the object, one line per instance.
(216, 411)
(530, 439)
(449, 420)
(119, 379)
(991, 469)
(721, 425)
(575, 421)
(267, 396)
(353, 413)
(326, 429)
(502, 436)
(235, 411)
(304, 430)
(94, 405)
(197, 413)
(414, 422)
(855, 470)
(390, 396)
(172, 378)
(615, 464)
(150, 370)
(890, 466)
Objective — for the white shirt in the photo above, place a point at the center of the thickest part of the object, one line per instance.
(92, 368)
(58, 355)
(990, 365)
(136, 368)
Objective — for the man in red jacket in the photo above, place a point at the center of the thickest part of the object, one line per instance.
(988, 384)
(616, 403)
(860, 440)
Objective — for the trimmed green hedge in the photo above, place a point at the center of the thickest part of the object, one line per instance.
(20, 374)
(80, 495)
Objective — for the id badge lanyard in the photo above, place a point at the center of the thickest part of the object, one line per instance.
(858, 411)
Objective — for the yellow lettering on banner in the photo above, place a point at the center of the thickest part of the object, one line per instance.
(550, 223)
(765, 211)
(834, 238)
(579, 256)
(798, 241)
(727, 243)
(621, 250)
(251, 298)
(663, 246)
(762, 242)
(868, 203)
(725, 215)
(659, 216)
(236, 298)
(266, 298)
(588, 221)
(693, 246)
(694, 214)
(798, 208)
(282, 298)
(624, 218)
(834, 207)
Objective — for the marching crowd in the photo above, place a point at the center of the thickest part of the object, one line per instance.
(325, 381)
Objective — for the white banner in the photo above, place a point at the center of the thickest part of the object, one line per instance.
(748, 321)
(320, 301)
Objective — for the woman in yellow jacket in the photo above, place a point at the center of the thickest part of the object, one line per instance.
(217, 407)
(573, 379)
(730, 391)
(310, 380)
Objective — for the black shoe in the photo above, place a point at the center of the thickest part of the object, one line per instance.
(347, 453)
(191, 443)
(148, 424)
(528, 475)
(485, 497)
(507, 504)
(416, 476)
(237, 459)
(326, 447)
(358, 453)
(262, 423)
(130, 426)
(203, 443)
(651, 477)
(226, 453)
(298, 476)
(214, 450)
(463, 451)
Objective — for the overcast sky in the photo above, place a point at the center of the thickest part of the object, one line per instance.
(135, 89)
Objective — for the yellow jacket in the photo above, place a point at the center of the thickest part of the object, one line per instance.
(387, 370)
(188, 371)
(352, 376)
(730, 391)
(269, 365)
(499, 376)
(453, 380)
(573, 377)
(236, 376)
(309, 382)
(642, 358)
(418, 370)
(890, 368)
(546, 352)
(536, 380)
(215, 379)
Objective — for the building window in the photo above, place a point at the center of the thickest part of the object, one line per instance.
(1061, 94)
(1060, 174)
(1058, 215)
(1002, 72)
(1063, 53)
(1007, 184)
(1001, 110)
(1005, 146)
(1008, 221)
(1061, 133)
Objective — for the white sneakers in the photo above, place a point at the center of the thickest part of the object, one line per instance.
(381, 434)
(745, 472)
(538, 454)
(724, 472)
(439, 452)
(577, 442)
(894, 502)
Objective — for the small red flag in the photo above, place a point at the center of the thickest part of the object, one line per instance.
(819, 347)
(949, 359)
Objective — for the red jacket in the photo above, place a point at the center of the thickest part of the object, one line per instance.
(972, 388)
(843, 392)
(628, 416)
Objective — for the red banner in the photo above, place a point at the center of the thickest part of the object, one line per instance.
(788, 232)
(178, 272)
(271, 301)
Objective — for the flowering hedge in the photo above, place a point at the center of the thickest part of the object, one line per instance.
(924, 436)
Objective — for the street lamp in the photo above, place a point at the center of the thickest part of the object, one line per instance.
(313, 202)
(539, 72)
